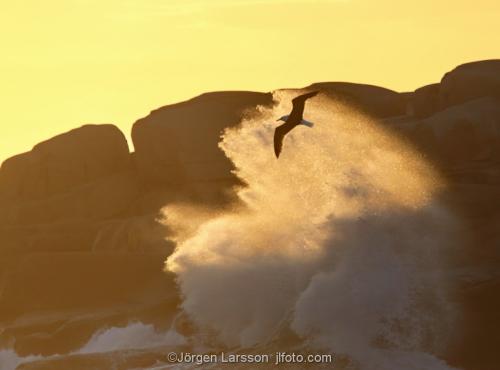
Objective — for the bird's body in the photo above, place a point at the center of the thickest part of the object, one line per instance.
(291, 121)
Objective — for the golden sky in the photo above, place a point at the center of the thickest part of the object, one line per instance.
(69, 62)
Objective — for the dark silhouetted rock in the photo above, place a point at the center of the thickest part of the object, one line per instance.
(470, 81)
(178, 144)
(57, 165)
(468, 132)
(425, 101)
(463, 139)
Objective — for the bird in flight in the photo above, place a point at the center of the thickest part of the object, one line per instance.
(291, 120)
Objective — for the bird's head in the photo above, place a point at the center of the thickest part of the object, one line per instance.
(283, 118)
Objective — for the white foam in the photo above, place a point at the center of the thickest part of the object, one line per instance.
(136, 335)
(341, 237)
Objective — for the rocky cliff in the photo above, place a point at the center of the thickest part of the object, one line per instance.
(78, 228)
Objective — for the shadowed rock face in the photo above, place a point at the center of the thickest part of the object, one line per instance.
(426, 101)
(80, 247)
(465, 83)
(470, 81)
(65, 162)
(464, 140)
(177, 144)
(54, 197)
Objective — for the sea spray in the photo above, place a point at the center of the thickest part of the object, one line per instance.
(342, 238)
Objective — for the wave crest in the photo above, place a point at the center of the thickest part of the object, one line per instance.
(340, 240)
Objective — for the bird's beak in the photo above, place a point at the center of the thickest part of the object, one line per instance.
(279, 119)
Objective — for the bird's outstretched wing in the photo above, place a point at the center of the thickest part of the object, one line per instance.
(299, 102)
(279, 135)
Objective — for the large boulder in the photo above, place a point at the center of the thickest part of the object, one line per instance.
(178, 144)
(425, 101)
(470, 81)
(470, 131)
(464, 140)
(374, 100)
(64, 162)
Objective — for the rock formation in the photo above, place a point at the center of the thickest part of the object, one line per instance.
(78, 213)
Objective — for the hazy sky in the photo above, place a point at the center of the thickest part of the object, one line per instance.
(69, 62)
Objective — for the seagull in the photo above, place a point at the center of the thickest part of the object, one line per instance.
(291, 120)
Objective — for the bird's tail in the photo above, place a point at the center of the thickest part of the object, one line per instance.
(306, 123)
